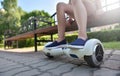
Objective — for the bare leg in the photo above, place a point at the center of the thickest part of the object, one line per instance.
(62, 8)
(77, 9)
(80, 14)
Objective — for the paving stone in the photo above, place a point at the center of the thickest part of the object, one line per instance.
(106, 72)
(14, 71)
(117, 52)
(37, 64)
(4, 62)
(24, 60)
(18, 59)
(43, 63)
(51, 66)
(28, 73)
(111, 64)
(10, 68)
(46, 74)
(81, 71)
(28, 61)
(62, 69)
(6, 65)
(33, 62)
(115, 57)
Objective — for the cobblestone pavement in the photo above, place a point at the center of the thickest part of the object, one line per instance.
(36, 64)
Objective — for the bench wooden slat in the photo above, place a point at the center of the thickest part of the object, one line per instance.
(40, 32)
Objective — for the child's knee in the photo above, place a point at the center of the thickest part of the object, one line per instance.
(60, 5)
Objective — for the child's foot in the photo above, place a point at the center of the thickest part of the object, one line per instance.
(55, 44)
(78, 43)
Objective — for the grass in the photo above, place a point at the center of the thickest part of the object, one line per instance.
(112, 45)
(24, 49)
(107, 45)
(1, 45)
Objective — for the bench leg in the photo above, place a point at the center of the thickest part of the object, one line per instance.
(4, 44)
(35, 42)
(51, 37)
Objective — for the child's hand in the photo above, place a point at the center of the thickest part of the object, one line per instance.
(70, 21)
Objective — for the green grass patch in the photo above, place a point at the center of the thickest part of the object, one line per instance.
(112, 45)
(107, 45)
(1, 45)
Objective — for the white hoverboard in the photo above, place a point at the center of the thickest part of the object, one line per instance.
(92, 52)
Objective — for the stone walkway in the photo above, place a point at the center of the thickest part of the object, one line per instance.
(36, 64)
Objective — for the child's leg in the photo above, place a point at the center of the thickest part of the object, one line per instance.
(62, 8)
(83, 10)
(80, 14)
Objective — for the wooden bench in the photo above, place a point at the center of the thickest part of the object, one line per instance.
(109, 17)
